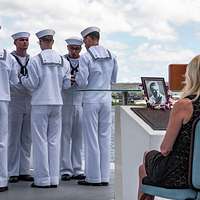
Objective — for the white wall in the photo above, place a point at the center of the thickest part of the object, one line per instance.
(132, 138)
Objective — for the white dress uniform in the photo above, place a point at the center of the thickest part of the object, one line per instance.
(72, 138)
(48, 72)
(8, 75)
(98, 70)
(19, 137)
(161, 99)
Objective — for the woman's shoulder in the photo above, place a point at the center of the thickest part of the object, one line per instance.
(183, 104)
(183, 108)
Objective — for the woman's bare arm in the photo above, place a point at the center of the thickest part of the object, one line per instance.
(180, 114)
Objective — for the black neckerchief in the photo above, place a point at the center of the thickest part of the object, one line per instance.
(158, 99)
(23, 69)
(73, 69)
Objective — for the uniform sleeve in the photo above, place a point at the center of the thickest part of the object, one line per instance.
(13, 71)
(31, 82)
(66, 75)
(83, 73)
(114, 72)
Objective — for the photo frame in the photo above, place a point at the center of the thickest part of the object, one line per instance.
(155, 90)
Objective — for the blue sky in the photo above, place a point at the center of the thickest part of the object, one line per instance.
(145, 35)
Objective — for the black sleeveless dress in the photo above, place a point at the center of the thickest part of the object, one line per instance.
(172, 171)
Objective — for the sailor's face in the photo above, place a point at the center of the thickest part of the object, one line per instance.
(88, 42)
(22, 43)
(155, 90)
(74, 51)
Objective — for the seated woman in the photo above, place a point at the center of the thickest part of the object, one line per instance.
(169, 168)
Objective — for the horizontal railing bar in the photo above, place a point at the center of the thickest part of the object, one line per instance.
(111, 90)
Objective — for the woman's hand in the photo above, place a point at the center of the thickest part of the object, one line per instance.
(164, 150)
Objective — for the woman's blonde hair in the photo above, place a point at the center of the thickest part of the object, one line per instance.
(192, 78)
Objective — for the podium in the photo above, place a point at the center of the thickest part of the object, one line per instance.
(176, 76)
(133, 136)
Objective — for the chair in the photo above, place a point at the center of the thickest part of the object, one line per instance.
(183, 194)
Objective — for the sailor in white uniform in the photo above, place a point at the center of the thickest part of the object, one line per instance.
(48, 73)
(19, 137)
(71, 165)
(98, 70)
(8, 75)
(157, 97)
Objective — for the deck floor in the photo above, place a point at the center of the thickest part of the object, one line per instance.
(66, 191)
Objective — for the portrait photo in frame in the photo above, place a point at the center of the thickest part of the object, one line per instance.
(155, 90)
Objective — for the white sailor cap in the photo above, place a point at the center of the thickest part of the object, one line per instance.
(45, 33)
(89, 30)
(74, 41)
(20, 35)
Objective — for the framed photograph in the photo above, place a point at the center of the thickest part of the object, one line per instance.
(155, 90)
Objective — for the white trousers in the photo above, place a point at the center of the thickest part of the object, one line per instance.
(46, 132)
(97, 123)
(19, 137)
(71, 140)
(3, 143)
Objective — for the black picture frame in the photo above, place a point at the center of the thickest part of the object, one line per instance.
(160, 97)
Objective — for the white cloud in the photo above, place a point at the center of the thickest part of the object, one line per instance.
(152, 60)
(160, 53)
(148, 18)
(66, 17)
(154, 20)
